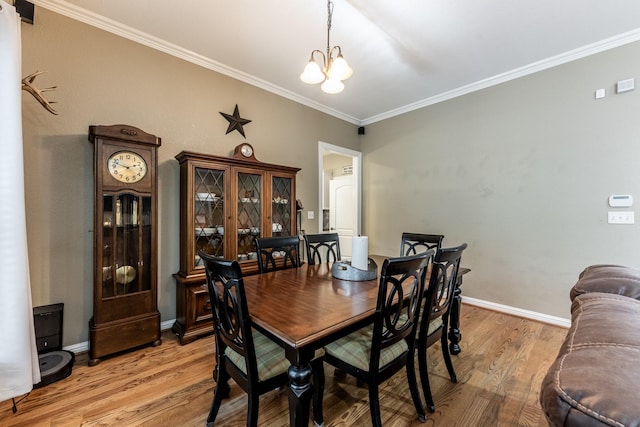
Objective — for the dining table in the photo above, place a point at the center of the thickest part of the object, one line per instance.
(303, 309)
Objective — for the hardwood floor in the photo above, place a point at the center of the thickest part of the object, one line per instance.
(499, 373)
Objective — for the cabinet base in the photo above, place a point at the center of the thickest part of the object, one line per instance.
(191, 334)
(113, 337)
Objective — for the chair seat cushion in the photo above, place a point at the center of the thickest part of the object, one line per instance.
(270, 357)
(355, 349)
(433, 326)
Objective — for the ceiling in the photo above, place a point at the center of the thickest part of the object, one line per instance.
(405, 54)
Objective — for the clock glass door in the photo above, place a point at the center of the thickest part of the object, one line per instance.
(208, 211)
(281, 206)
(249, 216)
(126, 241)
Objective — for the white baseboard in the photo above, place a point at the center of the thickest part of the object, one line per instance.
(527, 314)
(84, 346)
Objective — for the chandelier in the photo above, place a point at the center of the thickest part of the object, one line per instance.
(334, 67)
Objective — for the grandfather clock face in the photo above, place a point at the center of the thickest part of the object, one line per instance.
(127, 166)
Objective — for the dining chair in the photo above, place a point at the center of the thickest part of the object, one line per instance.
(254, 361)
(285, 249)
(378, 351)
(413, 243)
(319, 244)
(435, 314)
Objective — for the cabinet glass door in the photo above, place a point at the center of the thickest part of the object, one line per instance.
(126, 239)
(249, 216)
(208, 213)
(281, 206)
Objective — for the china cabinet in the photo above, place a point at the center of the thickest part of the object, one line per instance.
(125, 313)
(225, 203)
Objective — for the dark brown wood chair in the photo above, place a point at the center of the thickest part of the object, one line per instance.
(255, 362)
(277, 253)
(376, 352)
(413, 243)
(436, 312)
(319, 244)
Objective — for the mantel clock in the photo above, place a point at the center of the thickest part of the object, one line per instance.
(125, 299)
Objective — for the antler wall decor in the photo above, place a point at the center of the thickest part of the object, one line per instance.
(27, 84)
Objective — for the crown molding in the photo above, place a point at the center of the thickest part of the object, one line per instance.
(79, 14)
(554, 61)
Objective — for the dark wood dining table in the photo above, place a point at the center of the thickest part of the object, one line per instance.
(303, 309)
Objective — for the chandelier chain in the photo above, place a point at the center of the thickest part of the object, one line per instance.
(329, 18)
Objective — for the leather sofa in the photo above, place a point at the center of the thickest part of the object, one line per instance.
(595, 379)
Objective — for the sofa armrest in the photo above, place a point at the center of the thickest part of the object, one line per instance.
(608, 278)
(594, 380)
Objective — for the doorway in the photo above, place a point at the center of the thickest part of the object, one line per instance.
(340, 170)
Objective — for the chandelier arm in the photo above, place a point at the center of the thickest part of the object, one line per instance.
(338, 48)
(324, 58)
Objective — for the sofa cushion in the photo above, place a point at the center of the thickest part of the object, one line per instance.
(614, 279)
(594, 380)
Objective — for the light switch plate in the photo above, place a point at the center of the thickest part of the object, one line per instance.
(621, 217)
(625, 85)
(311, 215)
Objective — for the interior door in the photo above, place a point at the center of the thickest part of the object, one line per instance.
(342, 211)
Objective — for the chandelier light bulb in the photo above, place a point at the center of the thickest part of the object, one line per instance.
(340, 69)
(312, 73)
(332, 86)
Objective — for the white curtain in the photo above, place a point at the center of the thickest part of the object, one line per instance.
(19, 366)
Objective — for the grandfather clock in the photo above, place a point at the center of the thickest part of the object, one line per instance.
(125, 296)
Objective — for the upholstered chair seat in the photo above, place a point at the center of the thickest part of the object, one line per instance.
(355, 349)
(270, 357)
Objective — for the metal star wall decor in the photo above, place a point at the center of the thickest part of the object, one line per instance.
(235, 121)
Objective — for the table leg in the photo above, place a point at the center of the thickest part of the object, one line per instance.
(300, 389)
(454, 315)
(454, 322)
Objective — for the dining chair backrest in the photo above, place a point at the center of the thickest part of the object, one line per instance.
(277, 253)
(434, 319)
(319, 244)
(231, 320)
(442, 282)
(255, 362)
(398, 305)
(378, 351)
(413, 243)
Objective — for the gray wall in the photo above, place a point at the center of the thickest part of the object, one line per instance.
(104, 79)
(521, 172)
